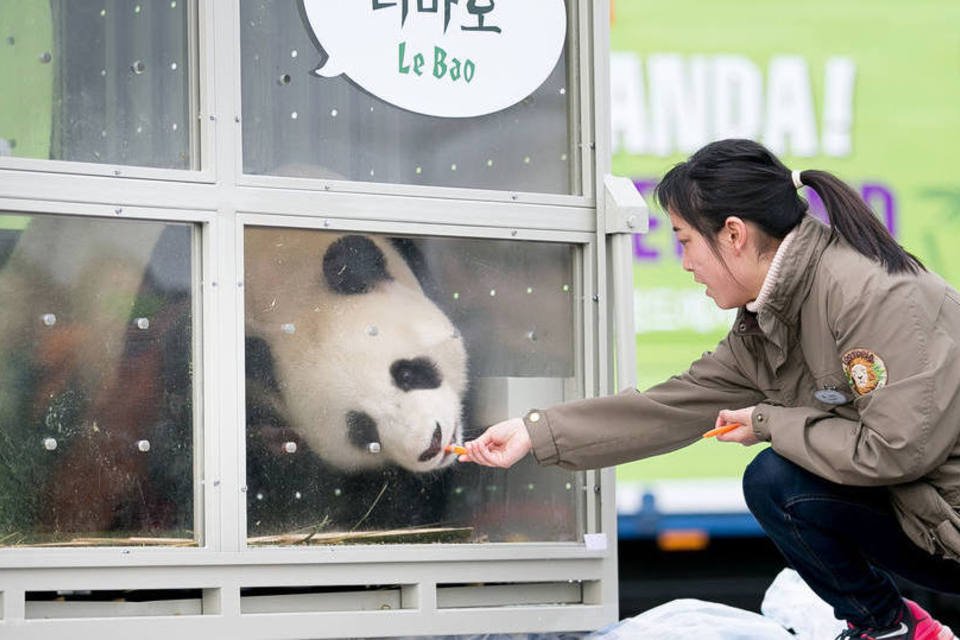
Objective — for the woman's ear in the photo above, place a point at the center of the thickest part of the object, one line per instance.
(734, 233)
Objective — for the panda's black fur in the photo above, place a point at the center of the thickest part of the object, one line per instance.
(287, 493)
(353, 265)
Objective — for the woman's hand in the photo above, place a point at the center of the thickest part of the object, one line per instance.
(742, 434)
(501, 445)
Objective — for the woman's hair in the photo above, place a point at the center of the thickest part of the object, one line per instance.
(742, 178)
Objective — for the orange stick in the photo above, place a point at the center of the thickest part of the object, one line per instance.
(455, 448)
(722, 430)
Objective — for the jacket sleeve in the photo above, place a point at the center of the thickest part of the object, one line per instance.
(907, 427)
(600, 432)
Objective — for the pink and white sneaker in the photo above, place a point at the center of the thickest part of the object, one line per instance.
(914, 624)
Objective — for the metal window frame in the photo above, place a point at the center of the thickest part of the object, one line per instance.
(221, 201)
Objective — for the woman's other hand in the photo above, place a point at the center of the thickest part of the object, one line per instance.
(501, 445)
(742, 434)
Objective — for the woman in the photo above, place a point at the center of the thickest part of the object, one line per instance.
(844, 357)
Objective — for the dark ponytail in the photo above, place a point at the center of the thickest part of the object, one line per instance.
(855, 222)
(743, 178)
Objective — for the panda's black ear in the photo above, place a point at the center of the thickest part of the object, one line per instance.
(354, 264)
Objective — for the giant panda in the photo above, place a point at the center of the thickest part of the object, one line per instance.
(360, 355)
(355, 384)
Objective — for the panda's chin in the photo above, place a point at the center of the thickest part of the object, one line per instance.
(442, 462)
(435, 456)
(446, 460)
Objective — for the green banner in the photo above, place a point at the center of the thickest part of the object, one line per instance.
(868, 89)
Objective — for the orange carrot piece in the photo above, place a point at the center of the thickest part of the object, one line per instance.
(722, 430)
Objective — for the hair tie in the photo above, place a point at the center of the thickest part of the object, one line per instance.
(797, 182)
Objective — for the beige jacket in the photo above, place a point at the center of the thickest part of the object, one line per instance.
(855, 375)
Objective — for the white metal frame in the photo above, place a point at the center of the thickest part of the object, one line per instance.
(424, 589)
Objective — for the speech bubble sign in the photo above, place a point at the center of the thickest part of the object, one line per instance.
(446, 58)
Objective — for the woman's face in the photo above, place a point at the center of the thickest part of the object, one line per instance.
(731, 283)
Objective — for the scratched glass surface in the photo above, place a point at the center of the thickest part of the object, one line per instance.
(101, 82)
(96, 382)
(366, 356)
(299, 124)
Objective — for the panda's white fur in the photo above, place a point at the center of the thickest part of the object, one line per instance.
(361, 355)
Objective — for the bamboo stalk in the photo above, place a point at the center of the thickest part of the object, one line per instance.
(121, 542)
(429, 534)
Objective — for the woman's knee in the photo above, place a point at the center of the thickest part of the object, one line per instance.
(764, 480)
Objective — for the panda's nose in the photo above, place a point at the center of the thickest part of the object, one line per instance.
(435, 445)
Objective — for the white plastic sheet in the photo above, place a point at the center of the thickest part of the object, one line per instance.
(791, 611)
(688, 618)
(794, 605)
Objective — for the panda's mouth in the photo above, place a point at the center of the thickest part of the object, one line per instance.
(436, 445)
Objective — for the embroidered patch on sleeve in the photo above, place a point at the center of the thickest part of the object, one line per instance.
(865, 370)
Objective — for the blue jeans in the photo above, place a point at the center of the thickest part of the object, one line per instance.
(842, 540)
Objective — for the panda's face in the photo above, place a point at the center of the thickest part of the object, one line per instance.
(371, 371)
(399, 374)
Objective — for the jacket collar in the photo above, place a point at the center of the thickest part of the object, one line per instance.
(780, 313)
(796, 272)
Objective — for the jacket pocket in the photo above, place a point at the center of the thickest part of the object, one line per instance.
(948, 537)
(927, 518)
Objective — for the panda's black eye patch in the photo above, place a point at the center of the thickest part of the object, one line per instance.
(361, 429)
(354, 264)
(419, 373)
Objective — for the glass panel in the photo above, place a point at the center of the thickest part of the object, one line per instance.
(96, 392)
(105, 81)
(297, 123)
(366, 355)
